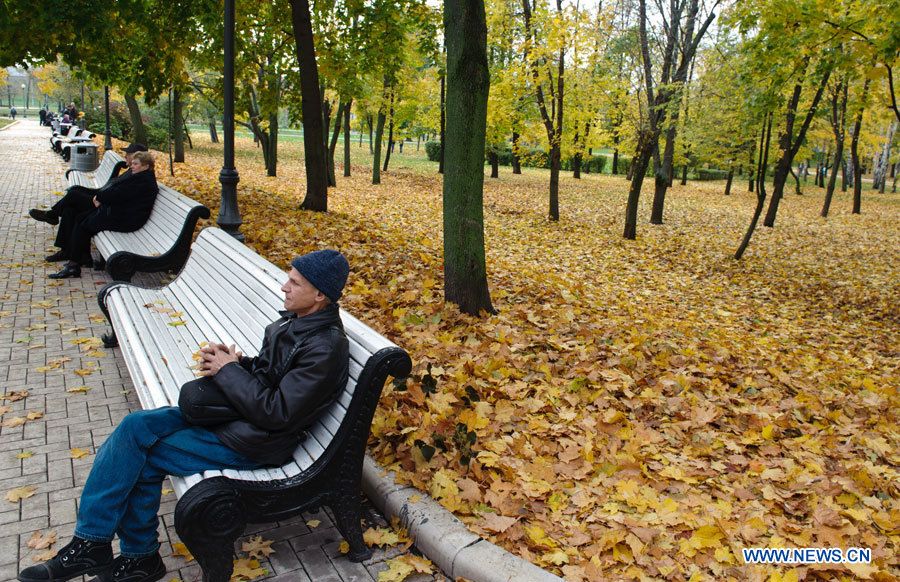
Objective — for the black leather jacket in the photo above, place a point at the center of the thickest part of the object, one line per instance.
(301, 369)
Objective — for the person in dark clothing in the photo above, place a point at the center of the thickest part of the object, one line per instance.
(13, 112)
(77, 202)
(123, 207)
(42, 114)
(302, 367)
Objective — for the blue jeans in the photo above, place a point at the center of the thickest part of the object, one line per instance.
(123, 490)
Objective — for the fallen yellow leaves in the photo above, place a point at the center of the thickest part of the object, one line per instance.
(25, 455)
(247, 569)
(54, 364)
(15, 395)
(400, 568)
(19, 493)
(313, 523)
(77, 453)
(39, 541)
(179, 549)
(79, 390)
(628, 397)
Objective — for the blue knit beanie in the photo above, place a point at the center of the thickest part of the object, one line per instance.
(327, 270)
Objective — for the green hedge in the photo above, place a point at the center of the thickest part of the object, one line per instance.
(433, 150)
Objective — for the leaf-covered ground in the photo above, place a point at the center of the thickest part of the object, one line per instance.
(636, 409)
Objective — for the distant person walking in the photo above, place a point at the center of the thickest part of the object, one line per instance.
(12, 112)
(42, 114)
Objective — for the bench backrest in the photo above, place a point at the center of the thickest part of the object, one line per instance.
(227, 293)
(159, 232)
(101, 175)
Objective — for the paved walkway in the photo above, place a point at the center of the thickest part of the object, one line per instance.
(78, 392)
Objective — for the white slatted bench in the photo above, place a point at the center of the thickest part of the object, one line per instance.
(110, 166)
(57, 139)
(162, 244)
(228, 293)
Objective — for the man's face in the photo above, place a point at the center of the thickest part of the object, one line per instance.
(300, 296)
(128, 157)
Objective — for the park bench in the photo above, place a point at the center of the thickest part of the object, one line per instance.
(162, 244)
(58, 139)
(228, 293)
(110, 166)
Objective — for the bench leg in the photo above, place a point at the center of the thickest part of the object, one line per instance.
(208, 519)
(347, 514)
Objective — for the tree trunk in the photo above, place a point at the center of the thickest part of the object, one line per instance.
(760, 186)
(311, 103)
(638, 169)
(576, 166)
(684, 169)
(390, 147)
(796, 182)
(844, 175)
(838, 125)
(138, 131)
(371, 124)
(494, 159)
(516, 161)
(379, 134)
(443, 120)
(272, 146)
(789, 146)
(347, 139)
(332, 146)
(213, 135)
(728, 180)
(468, 83)
(178, 125)
(663, 175)
(750, 169)
(881, 167)
(326, 124)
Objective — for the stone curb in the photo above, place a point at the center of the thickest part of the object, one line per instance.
(444, 539)
(13, 124)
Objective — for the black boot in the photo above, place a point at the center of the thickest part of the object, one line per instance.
(77, 558)
(71, 269)
(147, 569)
(56, 257)
(47, 216)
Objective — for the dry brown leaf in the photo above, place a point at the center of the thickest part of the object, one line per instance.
(258, 548)
(40, 541)
(19, 493)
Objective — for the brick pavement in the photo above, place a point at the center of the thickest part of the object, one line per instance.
(41, 321)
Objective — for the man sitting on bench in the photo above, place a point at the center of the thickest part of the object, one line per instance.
(78, 200)
(301, 369)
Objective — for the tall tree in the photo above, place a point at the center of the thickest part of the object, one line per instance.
(839, 127)
(311, 103)
(468, 85)
(548, 58)
(662, 96)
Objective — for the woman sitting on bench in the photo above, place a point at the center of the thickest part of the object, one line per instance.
(123, 207)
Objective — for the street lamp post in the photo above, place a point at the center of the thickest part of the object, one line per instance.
(229, 214)
(107, 143)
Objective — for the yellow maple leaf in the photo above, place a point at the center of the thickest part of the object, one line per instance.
(247, 569)
(78, 453)
(15, 395)
(380, 537)
(34, 415)
(398, 570)
(25, 455)
(79, 389)
(19, 493)
(5, 409)
(344, 547)
(707, 536)
(179, 549)
(14, 421)
(313, 523)
(84, 372)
